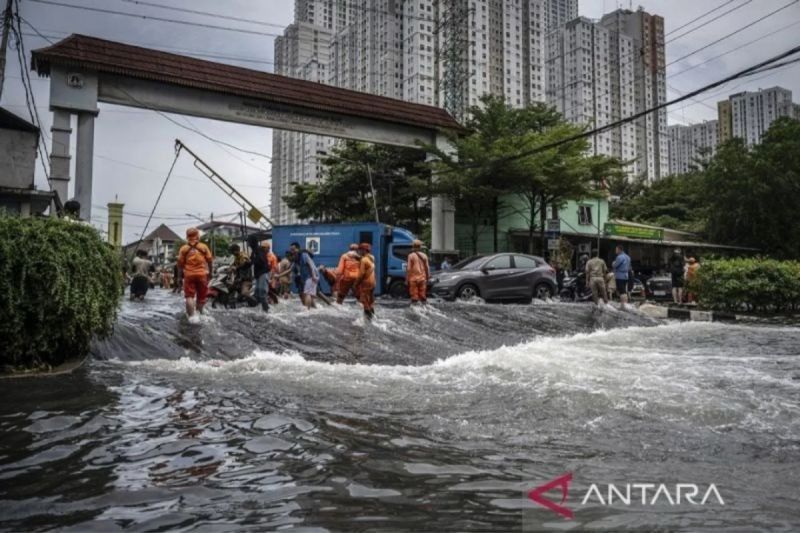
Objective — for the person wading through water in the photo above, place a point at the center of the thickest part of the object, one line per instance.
(348, 268)
(309, 275)
(365, 284)
(196, 261)
(417, 274)
(142, 267)
(261, 271)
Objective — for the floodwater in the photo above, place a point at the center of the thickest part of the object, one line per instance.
(427, 419)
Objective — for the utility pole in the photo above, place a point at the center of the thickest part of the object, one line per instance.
(4, 43)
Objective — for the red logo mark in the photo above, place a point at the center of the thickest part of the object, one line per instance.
(563, 482)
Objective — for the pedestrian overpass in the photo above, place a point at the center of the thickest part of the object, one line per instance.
(85, 70)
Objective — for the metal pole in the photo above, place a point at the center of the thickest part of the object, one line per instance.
(372, 188)
(598, 225)
(213, 240)
(4, 44)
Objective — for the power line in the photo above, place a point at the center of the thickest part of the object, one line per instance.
(159, 19)
(639, 78)
(30, 99)
(761, 38)
(734, 32)
(735, 8)
(699, 17)
(205, 13)
(638, 43)
(759, 67)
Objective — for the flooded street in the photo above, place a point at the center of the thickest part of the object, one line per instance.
(435, 419)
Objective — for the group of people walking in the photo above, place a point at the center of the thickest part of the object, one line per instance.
(273, 279)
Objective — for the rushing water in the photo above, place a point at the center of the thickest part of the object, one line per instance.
(434, 419)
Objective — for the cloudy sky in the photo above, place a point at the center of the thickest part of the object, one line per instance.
(134, 148)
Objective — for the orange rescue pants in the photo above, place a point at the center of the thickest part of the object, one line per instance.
(418, 291)
(366, 295)
(344, 287)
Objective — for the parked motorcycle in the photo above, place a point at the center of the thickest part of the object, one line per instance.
(574, 288)
(221, 287)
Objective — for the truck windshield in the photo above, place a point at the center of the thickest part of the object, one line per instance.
(401, 251)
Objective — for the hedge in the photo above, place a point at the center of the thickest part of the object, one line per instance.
(59, 288)
(748, 284)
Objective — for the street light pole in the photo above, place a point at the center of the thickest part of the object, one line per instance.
(369, 176)
(372, 188)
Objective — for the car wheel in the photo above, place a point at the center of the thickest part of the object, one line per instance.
(468, 291)
(543, 291)
(398, 289)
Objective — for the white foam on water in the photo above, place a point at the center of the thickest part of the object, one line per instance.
(671, 371)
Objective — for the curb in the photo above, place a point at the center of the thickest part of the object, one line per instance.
(693, 315)
(700, 316)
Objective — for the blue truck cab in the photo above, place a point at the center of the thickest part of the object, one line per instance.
(390, 246)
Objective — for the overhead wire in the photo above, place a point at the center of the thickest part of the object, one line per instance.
(752, 70)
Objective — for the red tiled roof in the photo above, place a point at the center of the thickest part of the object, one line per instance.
(144, 63)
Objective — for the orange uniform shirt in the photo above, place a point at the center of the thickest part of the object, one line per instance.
(417, 268)
(366, 271)
(272, 260)
(348, 267)
(194, 259)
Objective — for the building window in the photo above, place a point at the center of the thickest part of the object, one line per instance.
(585, 215)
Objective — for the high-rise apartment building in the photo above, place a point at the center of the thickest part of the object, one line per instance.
(446, 53)
(601, 72)
(748, 115)
(590, 80)
(689, 145)
(650, 87)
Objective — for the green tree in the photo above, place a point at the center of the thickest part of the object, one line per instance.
(752, 194)
(399, 178)
(674, 201)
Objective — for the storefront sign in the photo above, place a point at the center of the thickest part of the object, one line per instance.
(634, 232)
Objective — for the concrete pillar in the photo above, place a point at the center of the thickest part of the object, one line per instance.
(59, 153)
(84, 154)
(443, 214)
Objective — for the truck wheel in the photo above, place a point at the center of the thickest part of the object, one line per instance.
(398, 289)
(468, 291)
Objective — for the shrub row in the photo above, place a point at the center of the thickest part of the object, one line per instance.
(749, 284)
(59, 288)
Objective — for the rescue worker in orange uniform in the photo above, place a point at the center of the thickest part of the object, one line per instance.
(418, 273)
(365, 282)
(348, 271)
(196, 261)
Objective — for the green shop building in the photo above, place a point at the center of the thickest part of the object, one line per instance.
(579, 227)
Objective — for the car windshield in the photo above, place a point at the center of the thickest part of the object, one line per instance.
(470, 263)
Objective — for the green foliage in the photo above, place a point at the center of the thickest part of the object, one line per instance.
(59, 287)
(675, 202)
(753, 284)
(752, 195)
(744, 197)
(216, 242)
(490, 162)
(400, 180)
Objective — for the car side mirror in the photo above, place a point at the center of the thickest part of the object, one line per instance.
(485, 270)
